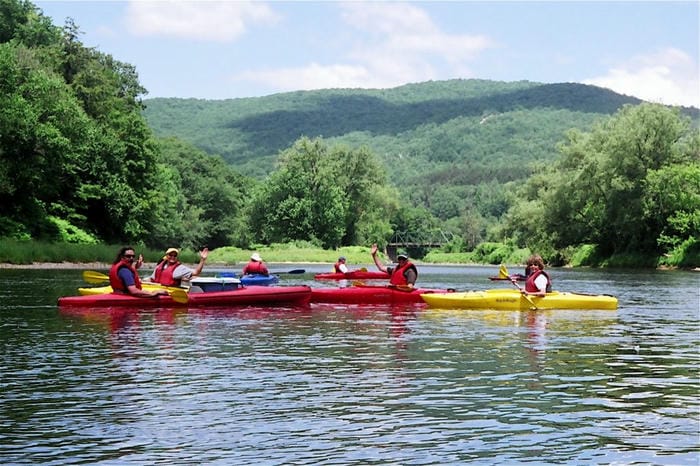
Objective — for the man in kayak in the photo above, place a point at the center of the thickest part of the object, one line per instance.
(538, 282)
(123, 276)
(255, 266)
(340, 266)
(170, 272)
(404, 274)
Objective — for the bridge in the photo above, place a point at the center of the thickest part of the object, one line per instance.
(416, 244)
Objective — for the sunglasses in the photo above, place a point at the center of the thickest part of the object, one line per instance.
(173, 254)
(129, 256)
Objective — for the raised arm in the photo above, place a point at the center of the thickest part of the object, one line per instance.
(379, 265)
(203, 254)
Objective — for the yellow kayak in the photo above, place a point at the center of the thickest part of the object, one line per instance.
(93, 290)
(513, 300)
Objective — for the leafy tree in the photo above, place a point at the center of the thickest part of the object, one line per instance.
(327, 194)
(203, 198)
(627, 186)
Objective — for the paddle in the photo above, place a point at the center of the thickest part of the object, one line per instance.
(405, 288)
(179, 295)
(529, 299)
(94, 277)
(291, 272)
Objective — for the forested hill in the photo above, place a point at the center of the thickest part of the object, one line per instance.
(481, 124)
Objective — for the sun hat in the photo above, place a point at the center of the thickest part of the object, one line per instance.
(256, 257)
(402, 255)
(172, 250)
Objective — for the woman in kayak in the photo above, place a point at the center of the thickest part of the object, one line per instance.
(404, 274)
(538, 282)
(170, 272)
(255, 266)
(123, 276)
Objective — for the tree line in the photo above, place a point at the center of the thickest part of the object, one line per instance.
(81, 163)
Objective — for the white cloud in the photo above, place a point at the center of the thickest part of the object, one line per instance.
(315, 76)
(397, 43)
(668, 76)
(219, 21)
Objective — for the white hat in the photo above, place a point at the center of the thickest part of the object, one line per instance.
(256, 257)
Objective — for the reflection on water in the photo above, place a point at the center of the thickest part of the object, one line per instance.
(333, 384)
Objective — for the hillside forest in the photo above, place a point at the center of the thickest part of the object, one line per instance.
(577, 173)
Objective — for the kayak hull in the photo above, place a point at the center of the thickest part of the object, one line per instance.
(353, 275)
(370, 295)
(243, 296)
(259, 280)
(513, 300)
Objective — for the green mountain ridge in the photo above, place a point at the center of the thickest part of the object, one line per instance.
(249, 132)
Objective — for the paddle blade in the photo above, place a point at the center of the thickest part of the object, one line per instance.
(93, 277)
(293, 272)
(503, 272)
(363, 269)
(178, 295)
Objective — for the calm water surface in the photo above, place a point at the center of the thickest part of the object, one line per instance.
(354, 385)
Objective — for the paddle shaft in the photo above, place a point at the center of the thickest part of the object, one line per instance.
(528, 298)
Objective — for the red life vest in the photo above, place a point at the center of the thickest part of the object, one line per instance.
(165, 276)
(337, 267)
(530, 286)
(398, 276)
(116, 283)
(255, 268)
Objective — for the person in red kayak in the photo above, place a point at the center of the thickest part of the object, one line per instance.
(340, 266)
(123, 277)
(538, 282)
(170, 272)
(255, 266)
(404, 274)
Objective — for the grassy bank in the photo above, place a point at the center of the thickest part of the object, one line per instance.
(28, 252)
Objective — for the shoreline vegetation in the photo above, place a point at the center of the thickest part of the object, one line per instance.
(16, 254)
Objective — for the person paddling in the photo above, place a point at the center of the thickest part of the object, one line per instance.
(538, 282)
(404, 274)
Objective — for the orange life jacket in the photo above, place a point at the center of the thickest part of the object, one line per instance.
(164, 276)
(116, 283)
(398, 275)
(530, 286)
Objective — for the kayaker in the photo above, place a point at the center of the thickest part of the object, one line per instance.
(538, 282)
(255, 266)
(124, 278)
(340, 266)
(404, 274)
(170, 272)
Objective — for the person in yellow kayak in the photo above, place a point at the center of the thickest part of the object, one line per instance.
(123, 277)
(538, 282)
(404, 274)
(170, 272)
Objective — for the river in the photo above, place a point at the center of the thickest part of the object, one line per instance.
(354, 385)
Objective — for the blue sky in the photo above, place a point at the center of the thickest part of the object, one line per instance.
(229, 49)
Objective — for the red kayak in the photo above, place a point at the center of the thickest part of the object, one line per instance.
(367, 294)
(353, 275)
(247, 296)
